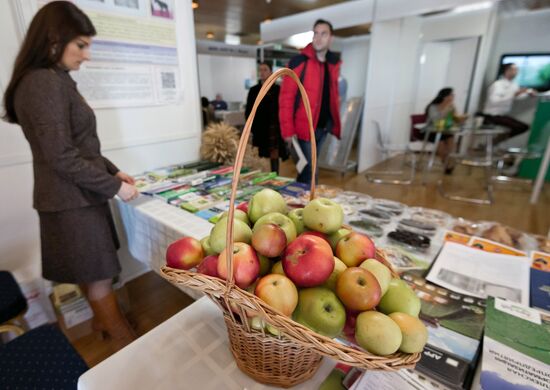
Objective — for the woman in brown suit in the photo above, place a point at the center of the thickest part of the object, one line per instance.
(72, 180)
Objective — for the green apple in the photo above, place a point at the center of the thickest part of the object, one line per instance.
(280, 220)
(320, 310)
(265, 264)
(278, 268)
(377, 333)
(241, 233)
(272, 330)
(297, 217)
(257, 323)
(323, 215)
(415, 334)
(339, 267)
(380, 271)
(400, 297)
(239, 214)
(264, 202)
(206, 247)
(335, 237)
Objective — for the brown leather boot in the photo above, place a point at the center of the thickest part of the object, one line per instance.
(107, 311)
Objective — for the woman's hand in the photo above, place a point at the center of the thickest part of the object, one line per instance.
(127, 192)
(125, 177)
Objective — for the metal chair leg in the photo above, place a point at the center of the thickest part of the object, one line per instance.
(408, 181)
(459, 198)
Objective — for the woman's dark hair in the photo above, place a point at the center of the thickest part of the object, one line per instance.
(205, 102)
(52, 28)
(441, 95)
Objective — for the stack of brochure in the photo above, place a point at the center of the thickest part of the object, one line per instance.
(516, 347)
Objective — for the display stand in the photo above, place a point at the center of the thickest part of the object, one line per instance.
(538, 138)
(334, 154)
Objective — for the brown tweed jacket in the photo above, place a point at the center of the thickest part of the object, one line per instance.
(69, 170)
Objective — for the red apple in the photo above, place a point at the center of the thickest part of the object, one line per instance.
(269, 240)
(351, 320)
(318, 234)
(184, 253)
(246, 266)
(354, 248)
(209, 266)
(243, 206)
(308, 261)
(279, 292)
(358, 289)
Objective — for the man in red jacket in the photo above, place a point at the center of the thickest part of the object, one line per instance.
(318, 69)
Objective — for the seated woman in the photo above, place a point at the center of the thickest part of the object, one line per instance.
(441, 115)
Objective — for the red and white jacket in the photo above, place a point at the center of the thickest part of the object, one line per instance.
(292, 114)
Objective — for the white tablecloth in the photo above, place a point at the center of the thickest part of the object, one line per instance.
(151, 225)
(188, 351)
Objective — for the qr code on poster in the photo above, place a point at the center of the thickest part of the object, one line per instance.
(168, 80)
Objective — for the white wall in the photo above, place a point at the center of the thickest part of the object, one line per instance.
(432, 75)
(389, 85)
(461, 66)
(225, 75)
(130, 138)
(445, 64)
(355, 53)
(392, 70)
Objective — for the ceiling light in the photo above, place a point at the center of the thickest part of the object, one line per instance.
(267, 20)
(232, 39)
(210, 35)
(301, 40)
(195, 4)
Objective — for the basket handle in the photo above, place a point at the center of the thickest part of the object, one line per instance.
(242, 149)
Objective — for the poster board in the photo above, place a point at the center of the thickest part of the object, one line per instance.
(141, 82)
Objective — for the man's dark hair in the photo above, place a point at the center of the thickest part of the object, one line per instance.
(505, 67)
(323, 21)
(267, 63)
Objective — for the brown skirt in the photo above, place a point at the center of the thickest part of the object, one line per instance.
(79, 245)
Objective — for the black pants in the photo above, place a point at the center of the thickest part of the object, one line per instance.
(516, 127)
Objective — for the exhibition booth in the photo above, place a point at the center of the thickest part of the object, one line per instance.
(399, 265)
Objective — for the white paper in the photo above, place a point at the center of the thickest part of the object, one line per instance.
(402, 380)
(520, 311)
(502, 363)
(477, 273)
(302, 160)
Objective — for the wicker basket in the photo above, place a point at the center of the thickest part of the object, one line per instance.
(295, 354)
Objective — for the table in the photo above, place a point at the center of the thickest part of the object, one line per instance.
(232, 118)
(151, 225)
(489, 133)
(188, 351)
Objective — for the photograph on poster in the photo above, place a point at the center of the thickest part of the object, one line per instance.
(127, 3)
(121, 7)
(162, 8)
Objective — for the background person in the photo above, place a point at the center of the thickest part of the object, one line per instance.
(72, 180)
(219, 103)
(318, 68)
(500, 98)
(441, 115)
(266, 134)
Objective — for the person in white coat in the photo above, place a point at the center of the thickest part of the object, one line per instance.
(500, 98)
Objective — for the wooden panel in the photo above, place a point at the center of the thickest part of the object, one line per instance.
(243, 17)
